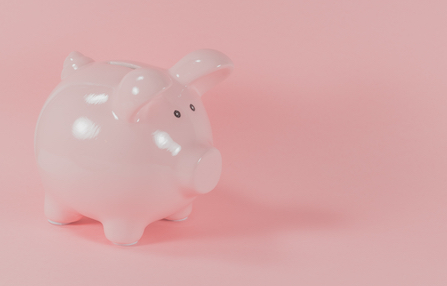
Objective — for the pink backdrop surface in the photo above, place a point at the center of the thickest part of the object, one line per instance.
(333, 131)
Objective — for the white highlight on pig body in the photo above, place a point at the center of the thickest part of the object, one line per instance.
(124, 64)
(83, 128)
(93, 98)
(164, 141)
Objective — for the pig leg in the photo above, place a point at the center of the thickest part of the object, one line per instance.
(180, 215)
(123, 232)
(59, 214)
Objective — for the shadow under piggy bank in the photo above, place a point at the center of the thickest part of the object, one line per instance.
(224, 225)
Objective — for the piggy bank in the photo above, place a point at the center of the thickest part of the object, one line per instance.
(127, 143)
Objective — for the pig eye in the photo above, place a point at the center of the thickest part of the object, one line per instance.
(193, 108)
(177, 114)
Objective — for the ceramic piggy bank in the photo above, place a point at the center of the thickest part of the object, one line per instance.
(127, 143)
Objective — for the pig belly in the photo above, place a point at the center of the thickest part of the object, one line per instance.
(144, 193)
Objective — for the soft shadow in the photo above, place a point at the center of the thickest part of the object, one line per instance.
(225, 225)
(86, 221)
(224, 214)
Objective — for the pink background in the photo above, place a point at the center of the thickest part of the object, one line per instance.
(332, 128)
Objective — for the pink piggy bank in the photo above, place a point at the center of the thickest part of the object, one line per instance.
(127, 143)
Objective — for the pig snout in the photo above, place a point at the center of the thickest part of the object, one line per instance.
(207, 171)
(198, 168)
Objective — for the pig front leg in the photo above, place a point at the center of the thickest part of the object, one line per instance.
(123, 232)
(181, 215)
(59, 214)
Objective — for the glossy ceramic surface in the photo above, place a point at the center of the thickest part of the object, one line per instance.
(127, 143)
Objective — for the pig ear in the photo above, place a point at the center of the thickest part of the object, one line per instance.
(74, 61)
(136, 89)
(202, 69)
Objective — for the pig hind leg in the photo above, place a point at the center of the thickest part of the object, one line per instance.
(58, 213)
(180, 215)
